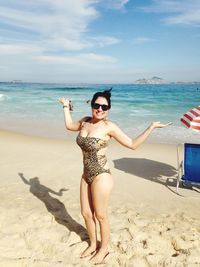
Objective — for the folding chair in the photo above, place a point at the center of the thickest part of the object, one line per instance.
(189, 166)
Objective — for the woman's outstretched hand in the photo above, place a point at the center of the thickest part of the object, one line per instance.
(157, 124)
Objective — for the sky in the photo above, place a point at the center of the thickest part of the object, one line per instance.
(99, 41)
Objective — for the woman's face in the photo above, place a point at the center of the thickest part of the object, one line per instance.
(97, 110)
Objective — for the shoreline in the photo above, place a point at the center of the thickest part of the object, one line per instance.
(42, 226)
(56, 130)
(134, 107)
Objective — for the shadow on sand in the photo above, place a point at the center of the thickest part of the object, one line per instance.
(54, 206)
(148, 169)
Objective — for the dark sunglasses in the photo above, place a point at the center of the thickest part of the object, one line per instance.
(97, 106)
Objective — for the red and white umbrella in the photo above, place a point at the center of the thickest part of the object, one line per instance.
(191, 119)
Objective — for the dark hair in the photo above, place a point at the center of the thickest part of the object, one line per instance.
(106, 94)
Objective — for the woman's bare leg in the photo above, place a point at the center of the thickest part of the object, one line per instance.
(88, 215)
(101, 188)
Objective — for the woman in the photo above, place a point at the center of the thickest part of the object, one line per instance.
(97, 181)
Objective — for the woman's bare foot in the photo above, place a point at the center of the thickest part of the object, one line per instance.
(100, 256)
(89, 250)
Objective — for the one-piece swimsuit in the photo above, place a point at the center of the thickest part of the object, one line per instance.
(93, 162)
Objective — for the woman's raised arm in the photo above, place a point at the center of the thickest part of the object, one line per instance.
(126, 141)
(69, 123)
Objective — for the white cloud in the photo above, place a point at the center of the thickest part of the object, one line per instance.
(43, 38)
(88, 42)
(82, 59)
(101, 41)
(187, 18)
(98, 58)
(60, 19)
(55, 25)
(14, 49)
(116, 4)
(143, 40)
(181, 11)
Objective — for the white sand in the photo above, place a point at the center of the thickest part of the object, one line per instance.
(40, 226)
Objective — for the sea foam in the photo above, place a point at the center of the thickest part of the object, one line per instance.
(3, 97)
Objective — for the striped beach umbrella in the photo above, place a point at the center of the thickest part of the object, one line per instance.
(191, 119)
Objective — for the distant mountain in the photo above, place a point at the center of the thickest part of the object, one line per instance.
(153, 80)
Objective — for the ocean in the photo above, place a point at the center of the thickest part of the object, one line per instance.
(33, 108)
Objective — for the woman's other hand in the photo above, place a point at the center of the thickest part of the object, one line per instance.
(157, 124)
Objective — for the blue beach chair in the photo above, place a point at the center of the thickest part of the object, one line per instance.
(189, 167)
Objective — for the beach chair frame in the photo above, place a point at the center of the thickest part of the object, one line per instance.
(180, 167)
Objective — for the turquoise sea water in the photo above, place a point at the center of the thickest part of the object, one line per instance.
(34, 108)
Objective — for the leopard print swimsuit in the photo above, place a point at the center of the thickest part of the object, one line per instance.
(93, 162)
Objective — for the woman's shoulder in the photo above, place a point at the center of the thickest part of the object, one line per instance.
(111, 124)
(111, 128)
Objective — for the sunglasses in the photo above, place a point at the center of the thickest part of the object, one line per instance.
(97, 106)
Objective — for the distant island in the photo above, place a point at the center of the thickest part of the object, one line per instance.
(158, 80)
(153, 80)
(16, 81)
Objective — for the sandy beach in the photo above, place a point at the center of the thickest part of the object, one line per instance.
(40, 218)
